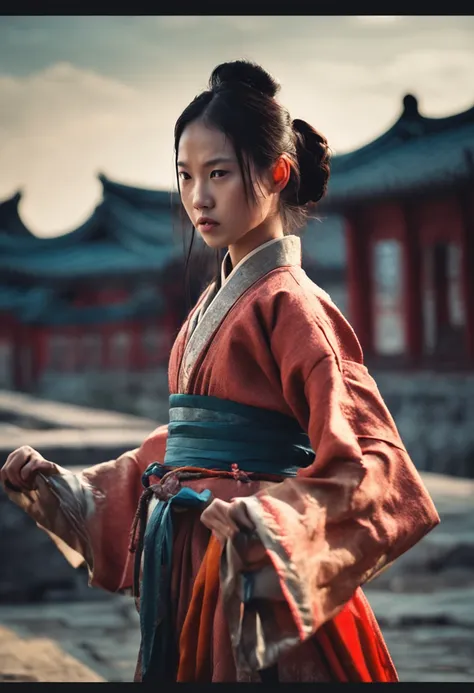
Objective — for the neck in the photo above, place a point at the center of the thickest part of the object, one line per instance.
(267, 231)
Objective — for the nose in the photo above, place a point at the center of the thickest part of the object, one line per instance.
(202, 198)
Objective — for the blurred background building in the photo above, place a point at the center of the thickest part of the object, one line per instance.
(89, 317)
(407, 202)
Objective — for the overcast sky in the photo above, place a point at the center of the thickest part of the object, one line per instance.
(80, 95)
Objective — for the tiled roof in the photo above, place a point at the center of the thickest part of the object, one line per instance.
(415, 153)
(77, 261)
(130, 233)
(43, 305)
(130, 230)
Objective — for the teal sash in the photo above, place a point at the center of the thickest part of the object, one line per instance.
(210, 433)
(216, 433)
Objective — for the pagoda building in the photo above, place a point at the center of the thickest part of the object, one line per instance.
(407, 201)
(90, 316)
(104, 298)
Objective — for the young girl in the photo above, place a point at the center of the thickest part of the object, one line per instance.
(281, 484)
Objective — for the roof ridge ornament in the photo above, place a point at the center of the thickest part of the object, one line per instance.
(410, 107)
(411, 122)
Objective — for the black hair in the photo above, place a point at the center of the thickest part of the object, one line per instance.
(240, 102)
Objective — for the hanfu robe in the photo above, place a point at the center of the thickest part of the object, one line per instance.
(268, 337)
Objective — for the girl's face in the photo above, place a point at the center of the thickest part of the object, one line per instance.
(213, 193)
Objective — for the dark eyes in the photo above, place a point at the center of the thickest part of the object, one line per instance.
(217, 173)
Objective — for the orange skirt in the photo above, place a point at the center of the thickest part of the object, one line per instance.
(352, 646)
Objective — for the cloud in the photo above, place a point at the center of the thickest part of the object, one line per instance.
(441, 78)
(179, 22)
(59, 95)
(377, 20)
(103, 93)
(427, 70)
(62, 125)
(352, 102)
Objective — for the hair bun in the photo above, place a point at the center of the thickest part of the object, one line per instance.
(313, 158)
(240, 72)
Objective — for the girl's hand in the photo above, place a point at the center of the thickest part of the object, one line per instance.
(225, 520)
(22, 465)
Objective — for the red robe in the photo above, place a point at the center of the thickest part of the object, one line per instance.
(272, 339)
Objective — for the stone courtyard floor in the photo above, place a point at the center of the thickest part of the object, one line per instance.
(430, 637)
(424, 604)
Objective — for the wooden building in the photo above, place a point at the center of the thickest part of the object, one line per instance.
(107, 296)
(407, 200)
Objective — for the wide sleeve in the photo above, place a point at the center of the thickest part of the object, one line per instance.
(89, 515)
(359, 506)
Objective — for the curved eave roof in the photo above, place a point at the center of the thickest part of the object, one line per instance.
(10, 220)
(415, 153)
(42, 306)
(126, 215)
(143, 197)
(10, 242)
(103, 259)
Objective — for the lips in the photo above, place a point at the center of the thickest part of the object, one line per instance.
(206, 224)
(207, 221)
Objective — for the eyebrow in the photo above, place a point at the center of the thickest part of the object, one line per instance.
(211, 162)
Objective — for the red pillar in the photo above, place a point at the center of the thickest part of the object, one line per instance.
(359, 281)
(467, 271)
(13, 331)
(40, 337)
(412, 278)
(440, 281)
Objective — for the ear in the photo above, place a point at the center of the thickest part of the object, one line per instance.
(281, 173)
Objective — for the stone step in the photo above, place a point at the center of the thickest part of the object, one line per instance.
(104, 636)
(31, 412)
(75, 448)
(39, 659)
(439, 608)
